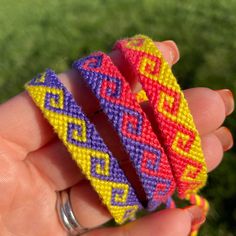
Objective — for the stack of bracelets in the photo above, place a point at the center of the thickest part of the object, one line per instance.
(167, 160)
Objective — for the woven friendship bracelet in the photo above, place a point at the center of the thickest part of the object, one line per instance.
(85, 145)
(177, 131)
(194, 199)
(130, 122)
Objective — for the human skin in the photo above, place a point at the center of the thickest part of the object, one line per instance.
(34, 164)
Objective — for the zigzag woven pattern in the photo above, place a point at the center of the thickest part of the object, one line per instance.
(178, 134)
(130, 122)
(85, 145)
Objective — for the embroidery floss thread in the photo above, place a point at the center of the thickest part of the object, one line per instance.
(178, 133)
(130, 122)
(85, 145)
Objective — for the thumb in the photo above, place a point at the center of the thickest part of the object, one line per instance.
(169, 222)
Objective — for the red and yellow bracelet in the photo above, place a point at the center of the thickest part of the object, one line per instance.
(177, 132)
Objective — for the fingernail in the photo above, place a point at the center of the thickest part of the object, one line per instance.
(197, 215)
(174, 51)
(225, 137)
(228, 99)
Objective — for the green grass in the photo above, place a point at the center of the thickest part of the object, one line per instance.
(36, 34)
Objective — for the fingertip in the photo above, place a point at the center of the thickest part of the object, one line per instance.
(197, 215)
(169, 50)
(207, 108)
(213, 150)
(228, 99)
(225, 137)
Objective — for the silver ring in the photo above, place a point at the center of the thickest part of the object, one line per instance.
(67, 217)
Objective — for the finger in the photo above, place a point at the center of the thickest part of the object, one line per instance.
(21, 119)
(225, 137)
(213, 150)
(87, 206)
(208, 110)
(54, 162)
(86, 203)
(62, 172)
(211, 145)
(172, 56)
(215, 144)
(228, 99)
(168, 49)
(206, 106)
(156, 224)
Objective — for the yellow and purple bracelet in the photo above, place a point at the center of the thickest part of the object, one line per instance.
(85, 145)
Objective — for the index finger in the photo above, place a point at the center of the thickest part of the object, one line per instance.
(22, 124)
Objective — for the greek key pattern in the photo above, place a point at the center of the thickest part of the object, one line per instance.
(130, 122)
(85, 145)
(178, 133)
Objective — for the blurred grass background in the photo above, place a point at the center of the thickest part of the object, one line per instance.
(36, 34)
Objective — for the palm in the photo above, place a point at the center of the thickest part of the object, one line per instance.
(27, 199)
(34, 165)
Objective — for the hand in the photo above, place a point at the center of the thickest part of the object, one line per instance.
(34, 164)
